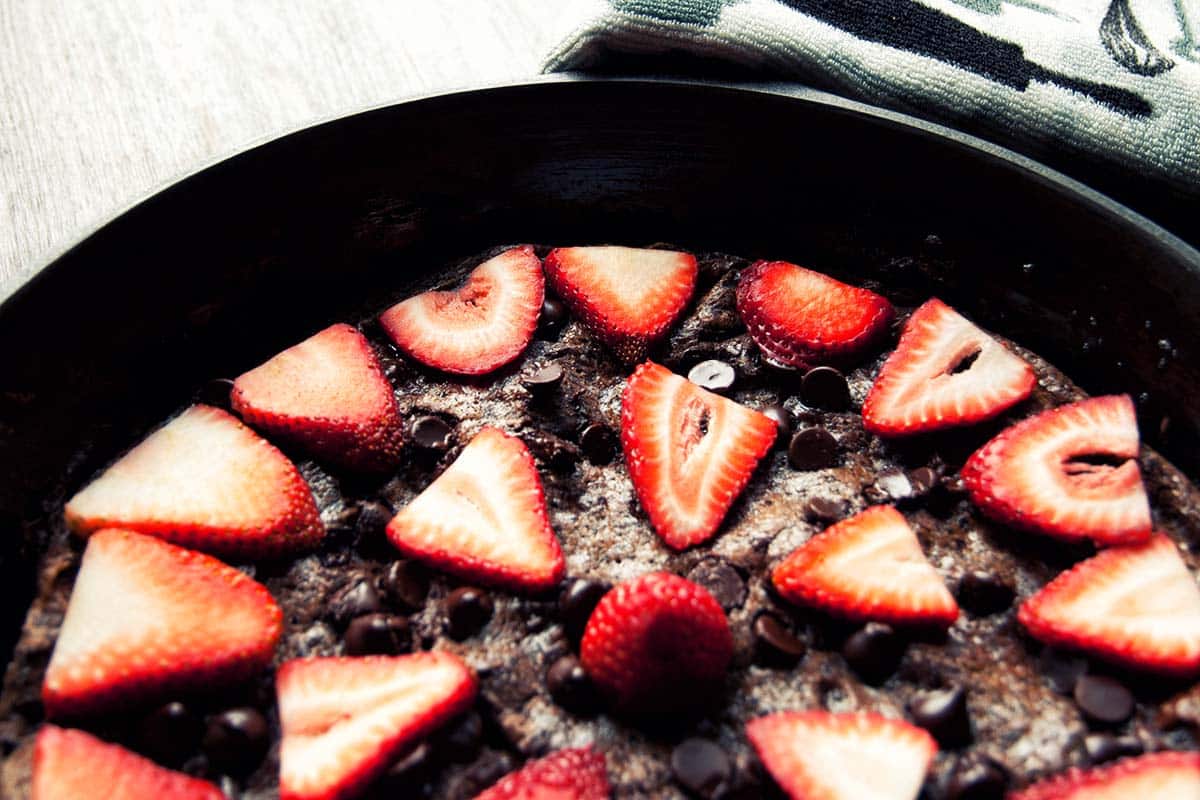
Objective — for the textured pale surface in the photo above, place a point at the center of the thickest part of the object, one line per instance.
(101, 102)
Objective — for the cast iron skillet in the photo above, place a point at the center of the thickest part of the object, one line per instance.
(225, 268)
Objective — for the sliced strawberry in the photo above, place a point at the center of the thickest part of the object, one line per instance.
(327, 394)
(689, 452)
(801, 318)
(73, 765)
(1136, 605)
(1070, 472)
(576, 774)
(204, 480)
(819, 755)
(345, 720)
(1159, 776)
(484, 518)
(945, 372)
(147, 618)
(481, 326)
(657, 643)
(629, 298)
(868, 567)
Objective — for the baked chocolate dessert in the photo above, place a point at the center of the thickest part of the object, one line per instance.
(680, 527)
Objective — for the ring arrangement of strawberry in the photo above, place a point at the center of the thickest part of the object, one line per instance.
(607, 521)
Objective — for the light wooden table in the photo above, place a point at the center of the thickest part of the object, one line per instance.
(103, 101)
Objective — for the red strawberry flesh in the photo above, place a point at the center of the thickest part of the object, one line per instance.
(1157, 776)
(574, 774)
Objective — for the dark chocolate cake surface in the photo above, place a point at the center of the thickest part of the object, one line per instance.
(1024, 720)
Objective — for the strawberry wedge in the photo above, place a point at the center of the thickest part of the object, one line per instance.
(1157, 776)
(147, 619)
(944, 373)
(575, 774)
(868, 567)
(479, 327)
(204, 480)
(627, 297)
(73, 765)
(328, 395)
(862, 756)
(1070, 472)
(1135, 605)
(346, 720)
(689, 452)
(801, 318)
(484, 519)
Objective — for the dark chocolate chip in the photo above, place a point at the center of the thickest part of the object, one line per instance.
(825, 387)
(783, 423)
(570, 686)
(874, 652)
(170, 733)
(236, 740)
(977, 778)
(721, 580)
(406, 583)
(701, 767)
(825, 509)
(576, 603)
(922, 480)
(1061, 669)
(982, 594)
(355, 599)
(431, 433)
(1103, 700)
(543, 382)
(944, 714)
(373, 517)
(599, 444)
(1102, 747)
(894, 484)
(378, 634)
(460, 740)
(714, 375)
(467, 610)
(774, 644)
(813, 448)
(552, 318)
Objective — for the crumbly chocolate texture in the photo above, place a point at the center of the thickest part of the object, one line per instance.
(1018, 719)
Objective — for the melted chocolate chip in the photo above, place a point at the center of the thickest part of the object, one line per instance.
(355, 599)
(714, 375)
(570, 686)
(982, 594)
(701, 767)
(825, 509)
(543, 382)
(406, 583)
(1102, 747)
(774, 644)
(977, 778)
(783, 423)
(373, 517)
(576, 603)
(1103, 700)
(825, 387)
(467, 610)
(236, 740)
(460, 740)
(170, 733)
(552, 318)
(721, 580)
(599, 444)
(1061, 669)
(874, 652)
(944, 714)
(431, 434)
(378, 634)
(813, 448)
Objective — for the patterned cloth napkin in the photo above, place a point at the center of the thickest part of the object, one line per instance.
(1110, 83)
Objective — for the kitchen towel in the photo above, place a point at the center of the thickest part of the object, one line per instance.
(1113, 83)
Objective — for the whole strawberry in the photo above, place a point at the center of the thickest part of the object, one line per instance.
(657, 643)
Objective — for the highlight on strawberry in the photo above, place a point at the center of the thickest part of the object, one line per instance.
(1166, 775)
(573, 774)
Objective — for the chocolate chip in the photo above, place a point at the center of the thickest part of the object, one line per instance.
(236, 740)
(1061, 669)
(570, 686)
(373, 518)
(170, 733)
(944, 714)
(825, 387)
(378, 634)
(599, 444)
(1103, 700)
(874, 652)
(783, 423)
(543, 382)
(714, 375)
(825, 509)
(467, 609)
(576, 603)
(977, 778)
(552, 318)
(431, 433)
(922, 480)
(774, 644)
(355, 599)
(460, 740)
(894, 484)
(701, 767)
(721, 580)
(1102, 747)
(409, 770)
(982, 594)
(813, 448)
(406, 583)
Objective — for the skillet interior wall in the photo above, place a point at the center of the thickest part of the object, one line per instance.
(224, 269)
